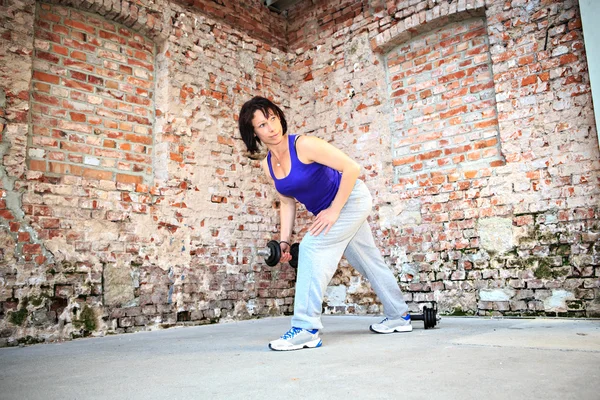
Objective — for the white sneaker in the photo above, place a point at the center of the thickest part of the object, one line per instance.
(393, 325)
(296, 339)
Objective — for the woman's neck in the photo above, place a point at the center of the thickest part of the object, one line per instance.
(280, 149)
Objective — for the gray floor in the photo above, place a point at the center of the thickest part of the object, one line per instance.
(463, 358)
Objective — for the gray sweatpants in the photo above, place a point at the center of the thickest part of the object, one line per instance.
(320, 255)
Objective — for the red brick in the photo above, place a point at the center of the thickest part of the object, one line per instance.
(47, 56)
(78, 117)
(79, 25)
(78, 64)
(451, 77)
(42, 98)
(486, 124)
(111, 84)
(529, 80)
(60, 29)
(429, 155)
(49, 16)
(403, 161)
(97, 174)
(122, 178)
(32, 249)
(526, 60)
(37, 165)
(453, 112)
(533, 175)
(474, 156)
(80, 76)
(568, 58)
(6, 214)
(485, 143)
(44, 77)
(480, 87)
(111, 36)
(40, 87)
(176, 157)
(58, 168)
(139, 139)
(78, 85)
(78, 55)
(94, 80)
(63, 51)
(23, 237)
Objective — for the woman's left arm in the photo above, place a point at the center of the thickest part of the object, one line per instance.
(317, 150)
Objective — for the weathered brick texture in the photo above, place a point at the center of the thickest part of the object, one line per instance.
(93, 97)
(444, 111)
(127, 201)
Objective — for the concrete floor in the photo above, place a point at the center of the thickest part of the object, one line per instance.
(463, 358)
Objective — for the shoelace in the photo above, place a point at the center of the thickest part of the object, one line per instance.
(387, 319)
(291, 333)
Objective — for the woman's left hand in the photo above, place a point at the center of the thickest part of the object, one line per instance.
(324, 220)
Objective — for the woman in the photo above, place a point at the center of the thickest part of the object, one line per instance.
(325, 180)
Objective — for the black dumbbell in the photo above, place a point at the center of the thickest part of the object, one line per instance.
(272, 253)
(429, 316)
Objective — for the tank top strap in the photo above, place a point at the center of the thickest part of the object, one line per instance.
(292, 146)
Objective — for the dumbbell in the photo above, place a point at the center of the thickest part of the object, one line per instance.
(272, 253)
(429, 316)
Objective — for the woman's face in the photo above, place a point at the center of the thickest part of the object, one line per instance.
(268, 129)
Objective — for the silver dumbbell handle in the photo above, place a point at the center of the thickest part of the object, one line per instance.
(264, 252)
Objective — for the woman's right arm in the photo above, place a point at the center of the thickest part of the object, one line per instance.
(287, 217)
(287, 214)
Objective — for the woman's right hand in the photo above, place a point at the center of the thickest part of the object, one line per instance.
(285, 252)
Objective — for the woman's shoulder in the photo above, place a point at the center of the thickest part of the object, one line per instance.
(308, 142)
(307, 147)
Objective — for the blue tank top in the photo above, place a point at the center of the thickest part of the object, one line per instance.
(314, 185)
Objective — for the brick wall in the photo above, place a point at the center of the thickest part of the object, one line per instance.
(494, 219)
(444, 108)
(93, 98)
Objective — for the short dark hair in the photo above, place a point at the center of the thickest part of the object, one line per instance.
(247, 114)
